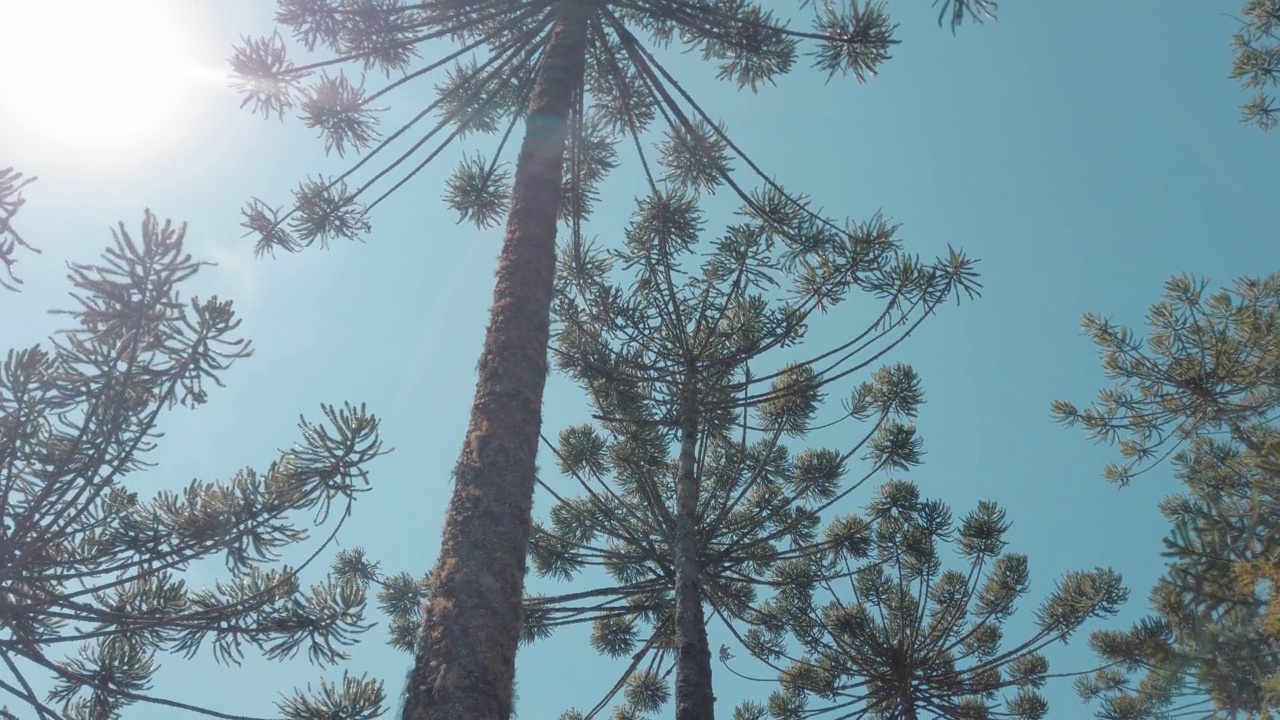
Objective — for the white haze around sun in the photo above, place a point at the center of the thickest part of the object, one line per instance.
(99, 85)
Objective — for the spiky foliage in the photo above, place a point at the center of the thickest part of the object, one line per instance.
(1203, 388)
(1257, 61)
(690, 500)
(899, 637)
(84, 560)
(399, 596)
(484, 59)
(11, 184)
(581, 75)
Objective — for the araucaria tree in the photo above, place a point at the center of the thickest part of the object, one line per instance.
(579, 74)
(1203, 389)
(84, 560)
(695, 507)
(692, 500)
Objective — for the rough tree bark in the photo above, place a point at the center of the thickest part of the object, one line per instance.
(694, 697)
(465, 663)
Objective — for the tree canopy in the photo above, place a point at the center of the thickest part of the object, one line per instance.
(691, 496)
(88, 562)
(882, 631)
(1256, 64)
(1202, 389)
(485, 58)
(679, 341)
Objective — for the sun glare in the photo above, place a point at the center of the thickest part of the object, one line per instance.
(97, 84)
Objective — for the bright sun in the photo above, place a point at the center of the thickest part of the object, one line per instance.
(97, 83)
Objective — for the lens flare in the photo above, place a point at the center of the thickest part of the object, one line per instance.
(97, 84)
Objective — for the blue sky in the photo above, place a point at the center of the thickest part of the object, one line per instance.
(1084, 151)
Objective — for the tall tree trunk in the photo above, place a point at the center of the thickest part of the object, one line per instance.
(465, 663)
(694, 697)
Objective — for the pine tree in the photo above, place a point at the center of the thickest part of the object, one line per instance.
(1257, 61)
(692, 500)
(900, 638)
(580, 75)
(84, 560)
(1204, 390)
(11, 184)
